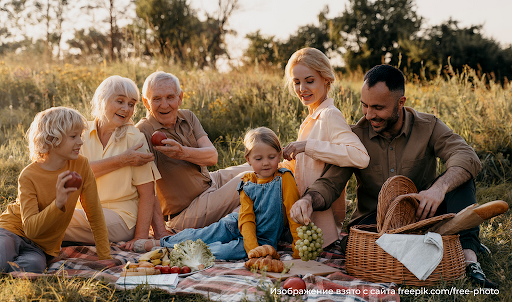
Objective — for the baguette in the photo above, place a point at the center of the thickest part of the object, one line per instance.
(262, 251)
(491, 209)
(271, 265)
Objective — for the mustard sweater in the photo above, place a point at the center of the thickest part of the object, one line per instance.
(247, 220)
(35, 216)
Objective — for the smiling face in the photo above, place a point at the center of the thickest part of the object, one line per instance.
(69, 148)
(264, 160)
(308, 85)
(383, 108)
(163, 102)
(118, 111)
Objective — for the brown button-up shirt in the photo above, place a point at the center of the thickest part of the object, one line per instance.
(412, 153)
(181, 181)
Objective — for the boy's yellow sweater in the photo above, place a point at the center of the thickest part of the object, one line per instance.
(35, 216)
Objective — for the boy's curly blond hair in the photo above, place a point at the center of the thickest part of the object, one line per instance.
(49, 128)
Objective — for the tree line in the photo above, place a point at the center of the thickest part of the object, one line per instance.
(366, 33)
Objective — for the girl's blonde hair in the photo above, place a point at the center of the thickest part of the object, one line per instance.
(313, 59)
(261, 135)
(157, 77)
(49, 129)
(110, 88)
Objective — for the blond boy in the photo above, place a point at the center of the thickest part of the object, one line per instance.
(32, 228)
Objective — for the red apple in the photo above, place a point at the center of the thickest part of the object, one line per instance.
(75, 181)
(157, 137)
(175, 270)
(294, 283)
(185, 270)
(165, 269)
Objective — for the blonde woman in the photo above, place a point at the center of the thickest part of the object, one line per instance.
(324, 136)
(123, 166)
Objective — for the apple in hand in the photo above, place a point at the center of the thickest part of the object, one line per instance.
(185, 270)
(157, 137)
(75, 181)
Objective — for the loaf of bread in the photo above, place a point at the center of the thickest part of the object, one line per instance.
(265, 263)
(262, 251)
(491, 209)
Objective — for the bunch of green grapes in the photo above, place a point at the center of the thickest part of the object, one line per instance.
(310, 243)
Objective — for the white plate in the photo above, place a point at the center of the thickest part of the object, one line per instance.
(191, 273)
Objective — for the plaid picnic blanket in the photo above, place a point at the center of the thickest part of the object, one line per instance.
(226, 281)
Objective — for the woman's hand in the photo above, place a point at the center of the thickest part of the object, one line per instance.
(132, 157)
(62, 194)
(290, 152)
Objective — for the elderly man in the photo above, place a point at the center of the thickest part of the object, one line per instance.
(190, 196)
(402, 141)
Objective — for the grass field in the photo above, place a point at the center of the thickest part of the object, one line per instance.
(227, 105)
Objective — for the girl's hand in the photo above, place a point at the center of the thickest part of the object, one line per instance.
(290, 152)
(62, 194)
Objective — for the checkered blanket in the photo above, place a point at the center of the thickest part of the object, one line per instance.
(226, 281)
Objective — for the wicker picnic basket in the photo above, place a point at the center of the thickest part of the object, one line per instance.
(367, 261)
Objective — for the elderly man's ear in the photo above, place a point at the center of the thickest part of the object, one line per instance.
(145, 102)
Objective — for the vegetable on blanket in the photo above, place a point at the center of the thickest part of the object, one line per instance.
(194, 254)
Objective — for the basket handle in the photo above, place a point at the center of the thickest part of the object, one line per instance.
(390, 215)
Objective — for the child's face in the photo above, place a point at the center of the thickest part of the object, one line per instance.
(69, 148)
(264, 159)
(119, 110)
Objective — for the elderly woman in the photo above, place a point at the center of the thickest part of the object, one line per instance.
(324, 136)
(123, 166)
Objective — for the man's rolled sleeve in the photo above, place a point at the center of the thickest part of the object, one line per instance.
(330, 185)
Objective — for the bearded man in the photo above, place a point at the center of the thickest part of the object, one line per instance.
(402, 141)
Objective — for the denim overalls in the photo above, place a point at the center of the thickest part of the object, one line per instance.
(224, 238)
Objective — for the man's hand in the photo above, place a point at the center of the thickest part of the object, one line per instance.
(429, 202)
(172, 149)
(302, 210)
(292, 149)
(62, 194)
(132, 157)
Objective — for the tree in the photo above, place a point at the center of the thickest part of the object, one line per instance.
(370, 31)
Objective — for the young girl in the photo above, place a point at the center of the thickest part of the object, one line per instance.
(266, 197)
(31, 229)
(324, 136)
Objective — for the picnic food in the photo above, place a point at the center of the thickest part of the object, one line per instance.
(266, 263)
(157, 137)
(294, 283)
(194, 254)
(491, 209)
(154, 256)
(185, 270)
(262, 251)
(310, 243)
(75, 181)
(139, 269)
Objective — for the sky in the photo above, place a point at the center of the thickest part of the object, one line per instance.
(280, 18)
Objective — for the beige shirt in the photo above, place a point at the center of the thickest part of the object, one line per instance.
(330, 140)
(412, 153)
(181, 181)
(35, 216)
(117, 189)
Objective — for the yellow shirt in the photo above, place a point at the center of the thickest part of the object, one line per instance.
(35, 216)
(247, 220)
(117, 189)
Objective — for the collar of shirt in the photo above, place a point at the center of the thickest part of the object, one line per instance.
(93, 126)
(406, 126)
(328, 102)
(157, 125)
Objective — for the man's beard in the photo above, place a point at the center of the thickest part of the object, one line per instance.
(390, 122)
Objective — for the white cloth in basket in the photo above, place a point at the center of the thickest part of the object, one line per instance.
(420, 254)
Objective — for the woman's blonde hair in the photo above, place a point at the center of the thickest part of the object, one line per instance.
(261, 135)
(110, 88)
(157, 77)
(49, 129)
(313, 59)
